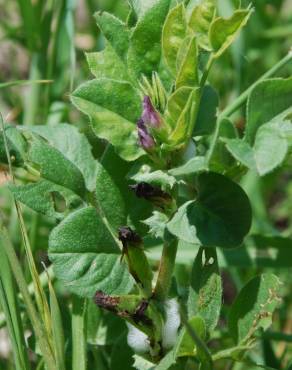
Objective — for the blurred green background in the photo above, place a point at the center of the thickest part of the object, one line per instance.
(47, 39)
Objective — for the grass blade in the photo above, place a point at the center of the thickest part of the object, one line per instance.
(10, 306)
(78, 333)
(44, 330)
(23, 83)
(57, 328)
(30, 23)
(32, 313)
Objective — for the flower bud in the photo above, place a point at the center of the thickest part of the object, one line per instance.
(150, 116)
(128, 237)
(146, 141)
(137, 261)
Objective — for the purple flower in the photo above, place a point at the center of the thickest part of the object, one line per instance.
(149, 115)
(145, 139)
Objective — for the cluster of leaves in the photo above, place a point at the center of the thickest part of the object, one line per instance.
(163, 52)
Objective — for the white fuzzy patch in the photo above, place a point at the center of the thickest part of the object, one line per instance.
(137, 340)
(172, 323)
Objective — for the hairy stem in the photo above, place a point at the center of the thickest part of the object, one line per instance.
(166, 267)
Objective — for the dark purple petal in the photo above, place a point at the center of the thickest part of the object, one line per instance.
(128, 236)
(145, 139)
(152, 193)
(150, 116)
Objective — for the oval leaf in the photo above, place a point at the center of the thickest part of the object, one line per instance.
(84, 255)
(200, 19)
(115, 31)
(223, 32)
(113, 107)
(254, 306)
(174, 32)
(145, 44)
(205, 295)
(220, 216)
(55, 167)
(267, 100)
(188, 71)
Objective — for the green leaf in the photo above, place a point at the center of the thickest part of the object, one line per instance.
(16, 146)
(115, 31)
(84, 255)
(43, 195)
(185, 345)
(188, 70)
(223, 32)
(145, 43)
(158, 178)
(254, 306)
(174, 32)
(182, 227)
(113, 107)
(241, 151)
(194, 165)
(119, 171)
(222, 160)
(55, 167)
(167, 361)
(107, 64)
(157, 223)
(205, 295)
(116, 96)
(207, 114)
(267, 100)
(103, 327)
(140, 363)
(176, 104)
(220, 216)
(200, 19)
(184, 126)
(141, 6)
(74, 146)
(269, 150)
(110, 200)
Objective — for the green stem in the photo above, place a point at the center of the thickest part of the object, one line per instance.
(243, 97)
(213, 141)
(207, 71)
(166, 267)
(229, 352)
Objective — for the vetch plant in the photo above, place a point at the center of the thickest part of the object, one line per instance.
(169, 176)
